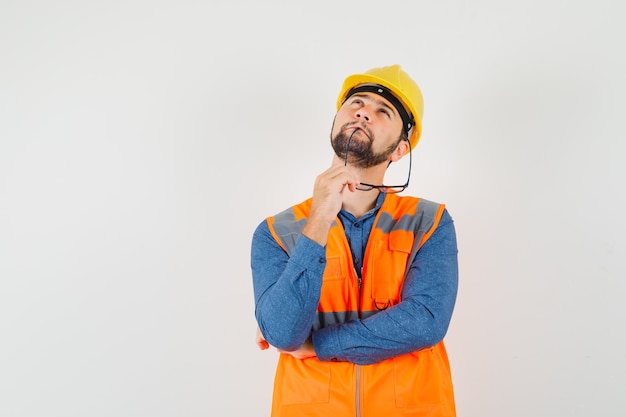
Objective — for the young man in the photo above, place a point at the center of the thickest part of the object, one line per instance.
(356, 286)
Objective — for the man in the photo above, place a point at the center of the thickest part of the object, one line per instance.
(356, 286)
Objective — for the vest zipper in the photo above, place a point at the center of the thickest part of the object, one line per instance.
(359, 281)
(358, 391)
(357, 398)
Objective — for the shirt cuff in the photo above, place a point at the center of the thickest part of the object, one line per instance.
(326, 344)
(310, 255)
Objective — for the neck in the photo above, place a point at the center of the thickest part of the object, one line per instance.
(359, 202)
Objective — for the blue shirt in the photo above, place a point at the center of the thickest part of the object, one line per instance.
(287, 292)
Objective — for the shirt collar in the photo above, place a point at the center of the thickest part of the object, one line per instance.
(379, 202)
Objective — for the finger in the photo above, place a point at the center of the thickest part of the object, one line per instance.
(347, 179)
(352, 186)
(342, 175)
(260, 340)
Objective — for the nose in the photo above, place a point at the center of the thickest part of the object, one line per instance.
(362, 114)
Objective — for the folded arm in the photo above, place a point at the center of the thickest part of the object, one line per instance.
(420, 320)
(286, 289)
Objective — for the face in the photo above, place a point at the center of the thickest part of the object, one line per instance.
(378, 130)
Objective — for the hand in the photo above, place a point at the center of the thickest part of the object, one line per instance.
(260, 340)
(303, 352)
(327, 200)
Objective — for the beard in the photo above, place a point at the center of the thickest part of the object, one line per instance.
(360, 152)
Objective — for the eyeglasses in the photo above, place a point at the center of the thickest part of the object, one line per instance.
(389, 189)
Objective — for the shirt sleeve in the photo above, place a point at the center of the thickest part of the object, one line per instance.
(286, 289)
(419, 321)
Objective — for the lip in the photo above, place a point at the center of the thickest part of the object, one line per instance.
(354, 128)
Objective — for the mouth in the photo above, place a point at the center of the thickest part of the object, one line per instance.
(352, 130)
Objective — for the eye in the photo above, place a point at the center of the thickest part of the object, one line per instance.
(385, 112)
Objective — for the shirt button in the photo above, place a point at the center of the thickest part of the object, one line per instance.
(333, 359)
(357, 225)
(321, 260)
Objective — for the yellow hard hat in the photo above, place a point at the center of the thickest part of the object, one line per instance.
(402, 88)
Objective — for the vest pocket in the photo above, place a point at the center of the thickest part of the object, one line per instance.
(389, 272)
(305, 381)
(418, 379)
(334, 269)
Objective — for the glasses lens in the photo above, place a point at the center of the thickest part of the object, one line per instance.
(389, 189)
(393, 189)
(365, 187)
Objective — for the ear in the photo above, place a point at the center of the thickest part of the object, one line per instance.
(400, 151)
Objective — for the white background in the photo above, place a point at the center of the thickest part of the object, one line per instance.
(141, 142)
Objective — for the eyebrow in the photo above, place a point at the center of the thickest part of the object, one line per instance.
(377, 101)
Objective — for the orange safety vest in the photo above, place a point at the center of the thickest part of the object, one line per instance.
(414, 384)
